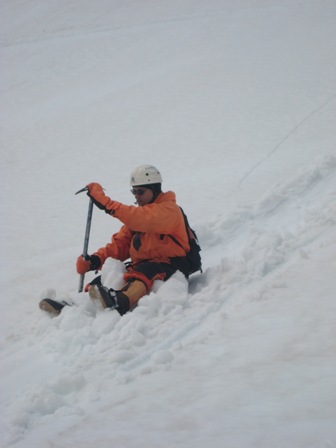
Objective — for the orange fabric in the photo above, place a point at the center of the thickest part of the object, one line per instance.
(82, 265)
(139, 238)
(131, 275)
(96, 193)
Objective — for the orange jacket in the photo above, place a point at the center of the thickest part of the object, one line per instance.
(146, 230)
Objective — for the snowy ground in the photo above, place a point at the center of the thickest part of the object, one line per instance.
(235, 103)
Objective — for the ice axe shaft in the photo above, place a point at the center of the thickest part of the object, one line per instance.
(86, 239)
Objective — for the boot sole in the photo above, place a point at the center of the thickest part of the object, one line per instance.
(95, 296)
(46, 306)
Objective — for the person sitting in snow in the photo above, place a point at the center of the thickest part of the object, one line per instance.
(153, 237)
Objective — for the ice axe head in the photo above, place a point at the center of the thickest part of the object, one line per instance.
(82, 190)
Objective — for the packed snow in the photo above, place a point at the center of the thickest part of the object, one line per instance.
(235, 103)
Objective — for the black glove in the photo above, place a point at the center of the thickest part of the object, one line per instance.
(94, 262)
(89, 263)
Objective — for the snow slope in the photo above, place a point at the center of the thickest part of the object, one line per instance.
(235, 103)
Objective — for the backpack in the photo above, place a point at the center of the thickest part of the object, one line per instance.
(193, 255)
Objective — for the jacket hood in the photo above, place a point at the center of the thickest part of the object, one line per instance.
(165, 197)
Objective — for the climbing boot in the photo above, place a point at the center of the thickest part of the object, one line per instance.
(52, 306)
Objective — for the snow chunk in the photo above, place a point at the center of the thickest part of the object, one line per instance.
(162, 357)
(66, 384)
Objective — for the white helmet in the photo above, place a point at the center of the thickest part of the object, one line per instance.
(145, 175)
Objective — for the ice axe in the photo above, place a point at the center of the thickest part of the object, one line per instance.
(87, 236)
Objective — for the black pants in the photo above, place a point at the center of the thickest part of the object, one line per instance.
(149, 271)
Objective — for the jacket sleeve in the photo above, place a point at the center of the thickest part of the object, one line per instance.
(119, 246)
(152, 218)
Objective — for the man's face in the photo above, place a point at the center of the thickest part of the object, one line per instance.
(142, 195)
